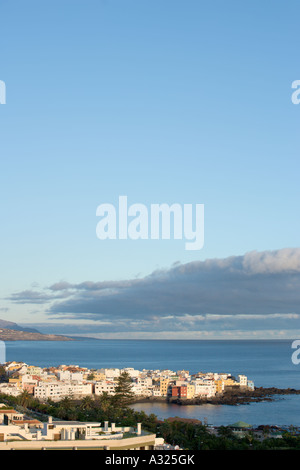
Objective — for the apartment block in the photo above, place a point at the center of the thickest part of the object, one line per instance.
(164, 385)
(105, 386)
(58, 390)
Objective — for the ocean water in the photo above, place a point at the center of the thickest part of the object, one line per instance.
(267, 363)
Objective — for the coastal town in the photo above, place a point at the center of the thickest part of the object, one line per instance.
(55, 383)
(68, 407)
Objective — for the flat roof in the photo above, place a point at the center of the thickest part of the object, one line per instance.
(74, 423)
(10, 411)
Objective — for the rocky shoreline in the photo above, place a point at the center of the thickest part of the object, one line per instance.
(229, 397)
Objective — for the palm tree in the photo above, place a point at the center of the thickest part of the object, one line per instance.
(66, 403)
(105, 401)
(64, 407)
(61, 412)
(86, 403)
(24, 399)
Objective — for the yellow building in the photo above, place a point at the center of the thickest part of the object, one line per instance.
(12, 367)
(190, 393)
(163, 387)
(98, 376)
(219, 385)
(34, 370)
(16, 381)
(230, 382)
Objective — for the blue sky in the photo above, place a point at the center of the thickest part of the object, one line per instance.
(162, 101)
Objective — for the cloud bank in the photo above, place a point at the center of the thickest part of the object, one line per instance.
(259, 289)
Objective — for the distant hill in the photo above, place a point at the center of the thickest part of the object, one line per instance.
(10, 331)
(13, 335)
(13, 326)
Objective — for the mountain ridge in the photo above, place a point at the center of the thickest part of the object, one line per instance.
(10, 331)
(14, 326)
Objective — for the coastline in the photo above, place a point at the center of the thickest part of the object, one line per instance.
(229, 397)
(16, 335)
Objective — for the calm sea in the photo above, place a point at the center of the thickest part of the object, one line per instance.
(267, 363)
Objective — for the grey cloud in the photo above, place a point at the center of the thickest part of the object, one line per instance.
(235, 290)
(285, 260)
(61, 285)
(34, 297)
(192, 323)
(93, 286)
(256, 283)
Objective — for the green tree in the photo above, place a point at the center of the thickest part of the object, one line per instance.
(66, 403)
(86, 403)
(3, 377)
(104, 401)
(225, 431)
(64, 408)
(24, 399)
(123, 392)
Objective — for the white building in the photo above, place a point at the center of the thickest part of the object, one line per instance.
(131, 371)
(105, 386)
(75, 435)
(110, 373)
(68, 376)
(139, 390)
(250, 384)
(222, 376)
(155, 391)
(28, 378)
(58, 390)
(8, 389)
(242, 380)
(145, 382)
(204, 388)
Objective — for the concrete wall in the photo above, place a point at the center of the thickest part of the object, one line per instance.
(113, 444)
